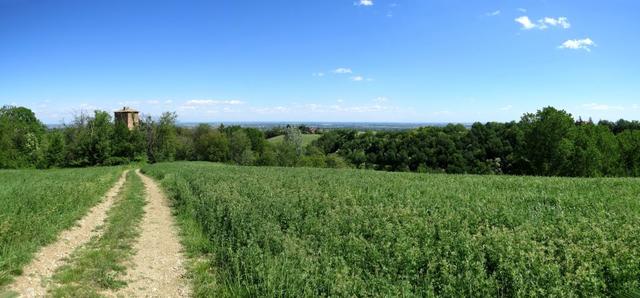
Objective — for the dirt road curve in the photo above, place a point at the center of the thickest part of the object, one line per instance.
(35, 277)
(158, 264)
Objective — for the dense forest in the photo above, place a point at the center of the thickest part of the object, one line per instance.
(549, 142)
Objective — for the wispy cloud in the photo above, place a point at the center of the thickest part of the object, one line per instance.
(558, 22)
(318, 74)
(493, 13)
(361, 79)
(506, 108)
(601, 107)
(271, 110)
(209, 102)
(578, 44)
(522, 10)
(342, 70)
(381, 99)
(364, 3)
(544, 23)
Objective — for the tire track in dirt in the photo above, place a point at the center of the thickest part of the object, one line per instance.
(158, 266)
(35, 277)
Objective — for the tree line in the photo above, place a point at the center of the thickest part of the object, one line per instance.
(549, 142)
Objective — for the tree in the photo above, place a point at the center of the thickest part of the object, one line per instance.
(629, 142)
(56, 148)
(21, 139)
(161, 137)
(100, 132)
(240, 148)
(213, 146)
(257, 139)
(293, 137)
(547, 141)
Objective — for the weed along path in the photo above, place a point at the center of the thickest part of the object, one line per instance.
(35, 277)
(157, 268)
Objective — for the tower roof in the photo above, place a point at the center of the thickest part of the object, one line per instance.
(126, 110)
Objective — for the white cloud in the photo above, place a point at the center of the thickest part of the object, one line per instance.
(601, 107)
(506, 108)
(342, 70)
(543, 23)
(168, 101)
(130, 103)
(578, 44)
(525, 22)
(364, 3)
(493, 13)
(271, 110)
(209, 102)
(561, 21)
(522, 9)
(318, 74)
(357, 79)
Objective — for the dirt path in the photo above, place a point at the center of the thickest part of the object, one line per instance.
(158, 264)
(35, 277)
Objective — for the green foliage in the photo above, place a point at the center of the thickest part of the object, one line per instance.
(210, 144)
(264, 232)
(293, 137)
(161, 137)
(629, 142)
(546, 143)
(21, 137)
(36, 205)
(240, 148)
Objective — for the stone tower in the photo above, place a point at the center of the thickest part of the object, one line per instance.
(128, 116)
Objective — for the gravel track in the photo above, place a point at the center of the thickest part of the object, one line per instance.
(157, 268)
(36, 276)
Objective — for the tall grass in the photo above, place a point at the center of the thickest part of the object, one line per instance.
(317, 232)
(36, 205)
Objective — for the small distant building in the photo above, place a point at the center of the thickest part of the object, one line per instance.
(128, 116)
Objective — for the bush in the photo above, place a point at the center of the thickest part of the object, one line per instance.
(115, 161)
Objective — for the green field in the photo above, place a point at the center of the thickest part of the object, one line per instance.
(35, 205)
(320, 232)
(306, 139)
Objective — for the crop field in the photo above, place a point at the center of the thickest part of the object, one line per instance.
(306, 139)
(322, 232)
(35, 205)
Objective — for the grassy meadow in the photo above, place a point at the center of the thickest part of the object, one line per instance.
(306, 139)
(35, 205)
(300, 232)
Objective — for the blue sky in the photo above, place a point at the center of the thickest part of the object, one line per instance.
(330, 60)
